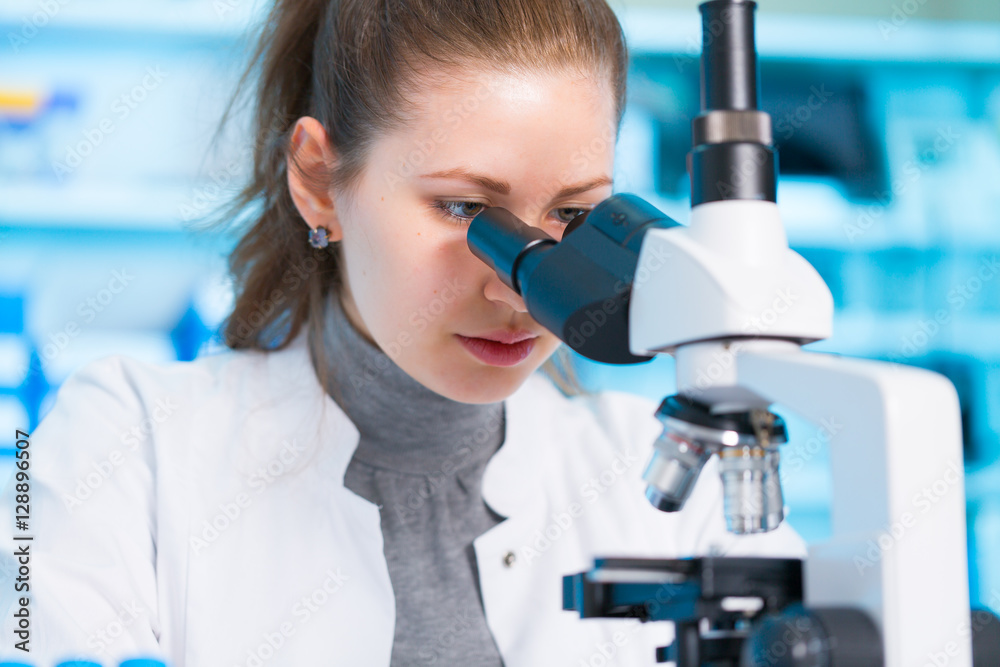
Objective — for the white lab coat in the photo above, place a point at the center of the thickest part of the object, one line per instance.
(196, 511)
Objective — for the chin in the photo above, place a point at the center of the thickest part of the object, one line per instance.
(488, 385)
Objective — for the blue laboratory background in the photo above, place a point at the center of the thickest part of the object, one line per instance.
(889, 136)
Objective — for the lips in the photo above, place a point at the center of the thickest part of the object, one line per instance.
(506, 337)
(498, 354)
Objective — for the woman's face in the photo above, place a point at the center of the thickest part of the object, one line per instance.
(541, 146)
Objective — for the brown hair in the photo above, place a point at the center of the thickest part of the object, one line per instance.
(350, 65)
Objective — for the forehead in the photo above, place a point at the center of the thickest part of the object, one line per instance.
(506, 121)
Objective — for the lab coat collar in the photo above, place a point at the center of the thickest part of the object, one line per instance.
(512, 478)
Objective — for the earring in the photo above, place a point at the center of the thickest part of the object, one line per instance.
(318, 238)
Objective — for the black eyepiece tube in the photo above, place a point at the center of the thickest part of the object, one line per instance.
(729, 74)
(500, 239)
(730, 132)
(578, 287)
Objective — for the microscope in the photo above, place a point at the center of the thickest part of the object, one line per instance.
(734, 305)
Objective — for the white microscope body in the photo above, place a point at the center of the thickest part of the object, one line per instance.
(733, 304)
(727, 297)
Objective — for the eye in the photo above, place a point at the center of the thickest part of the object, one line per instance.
(571, 213)
(460, 210)
(464, 211)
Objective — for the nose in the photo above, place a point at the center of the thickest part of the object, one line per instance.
(497, 291)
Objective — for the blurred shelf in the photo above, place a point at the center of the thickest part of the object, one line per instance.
(873, 334)
(904, 40)
(58, 364)
(816, 214)
(198, 18)
(96, 206)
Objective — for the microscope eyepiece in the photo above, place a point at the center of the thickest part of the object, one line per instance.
(501, 239)
(579, 287)
(732, 156)
(729, 75)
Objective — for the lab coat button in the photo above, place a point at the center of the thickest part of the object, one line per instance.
(508, 558)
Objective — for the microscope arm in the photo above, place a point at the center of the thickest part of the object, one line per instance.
(898, 516)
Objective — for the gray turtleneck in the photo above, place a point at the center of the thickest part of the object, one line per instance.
(420, 458)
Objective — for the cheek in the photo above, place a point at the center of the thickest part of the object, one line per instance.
(549, 344)
(434, 283)
(414, 285)
(374, 264)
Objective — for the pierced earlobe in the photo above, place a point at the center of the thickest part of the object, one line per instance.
(318, 237)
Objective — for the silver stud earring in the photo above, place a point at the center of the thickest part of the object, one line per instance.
(318, 237)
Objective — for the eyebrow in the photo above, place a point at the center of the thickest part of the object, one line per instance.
(503, 187)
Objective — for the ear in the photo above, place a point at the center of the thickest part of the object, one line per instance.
(311, 149)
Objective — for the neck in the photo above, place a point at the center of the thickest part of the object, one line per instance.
(404, 426)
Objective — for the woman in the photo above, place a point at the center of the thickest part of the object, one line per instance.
(375, 473)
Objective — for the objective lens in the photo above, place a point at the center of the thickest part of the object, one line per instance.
(751, 488)
(773, 498)
(673, 471)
